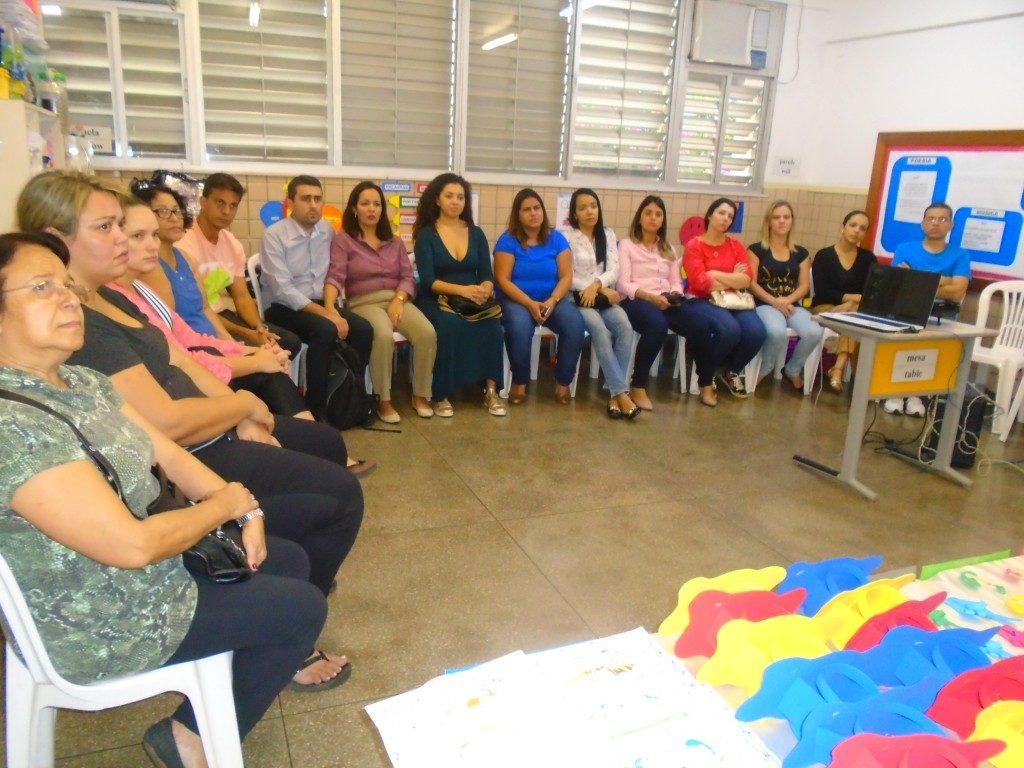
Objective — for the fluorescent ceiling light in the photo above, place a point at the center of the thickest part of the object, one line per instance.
(497, 42)
(51, 10)
(254, 14)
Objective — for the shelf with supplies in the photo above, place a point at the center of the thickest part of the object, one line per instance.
(30, 142)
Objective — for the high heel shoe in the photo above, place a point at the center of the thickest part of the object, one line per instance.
(835, 380)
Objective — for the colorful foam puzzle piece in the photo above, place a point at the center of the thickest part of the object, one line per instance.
(921, 750)
(823, 580)
(896, 712)
(963, 698)
(976, 610)
(851, 609)
(1003, 720)
(742, 580)
(913, 613)
(712, 609)
(747, 648)
(909, 654)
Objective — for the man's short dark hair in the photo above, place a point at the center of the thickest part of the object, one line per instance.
(302, 180)
(226, 181)
(934, 206)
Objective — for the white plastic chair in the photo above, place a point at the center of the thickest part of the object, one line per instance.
(35, 691)
(1006, 354)
(298, 363)
(539, 333)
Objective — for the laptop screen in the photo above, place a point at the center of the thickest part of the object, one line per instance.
(905, 295)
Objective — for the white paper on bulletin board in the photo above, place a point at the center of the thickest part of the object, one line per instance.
(983, 185)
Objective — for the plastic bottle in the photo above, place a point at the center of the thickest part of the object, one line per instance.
(61, 84)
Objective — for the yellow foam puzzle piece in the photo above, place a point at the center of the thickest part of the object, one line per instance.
(849, 610)
(742, 580)
(1003, 720)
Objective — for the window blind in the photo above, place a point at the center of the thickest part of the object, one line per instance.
(623, 87)
(723, 121)
(516, 101)
(79, 48)
(397, 82)
(265, 87)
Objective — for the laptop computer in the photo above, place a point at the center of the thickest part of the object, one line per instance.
(894, 300)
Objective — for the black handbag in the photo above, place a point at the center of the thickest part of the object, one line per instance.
(217, 556)
(600, 301)
(468, 309)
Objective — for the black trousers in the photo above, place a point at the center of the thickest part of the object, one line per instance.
(270, 622)
(321, 335)
(287, 340)
(303, 487)
(277, 390)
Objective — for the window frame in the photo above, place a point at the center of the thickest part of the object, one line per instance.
(186, 11)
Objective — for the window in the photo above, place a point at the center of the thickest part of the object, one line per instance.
(266, 91)
(723, 122)
(516, 105)
(124, 77)
(397, 82)
(627, 52)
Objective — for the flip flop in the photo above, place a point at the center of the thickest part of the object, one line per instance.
(362, 467)
(343, 674)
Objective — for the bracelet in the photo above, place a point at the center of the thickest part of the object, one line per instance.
(248, 517)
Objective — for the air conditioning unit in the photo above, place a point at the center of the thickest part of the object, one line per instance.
(739, 33)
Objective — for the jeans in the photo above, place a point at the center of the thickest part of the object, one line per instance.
(719, 337)
(652, 324)
(565, 321)
(775, 324)
(612, 337)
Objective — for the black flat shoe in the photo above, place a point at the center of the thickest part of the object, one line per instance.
(633, 413)
(160, 746)
(614, 412)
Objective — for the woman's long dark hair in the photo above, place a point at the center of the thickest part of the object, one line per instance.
(428, 211)
(350, 221)
(600, 238)
(515, 226)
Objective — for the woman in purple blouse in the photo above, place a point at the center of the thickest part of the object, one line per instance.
(371, 269)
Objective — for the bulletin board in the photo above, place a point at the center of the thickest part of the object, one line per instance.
(979, 174)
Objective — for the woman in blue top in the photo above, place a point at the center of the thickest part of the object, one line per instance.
(533, 269)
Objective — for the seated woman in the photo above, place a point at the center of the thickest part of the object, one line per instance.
(307, 495)
(650, 282)
(454, 262)
(371, 269)
(533, 267)
(262, 371)
(839, 274)
(719, 337)
(782, 278)
(124, 602)
(595, 270)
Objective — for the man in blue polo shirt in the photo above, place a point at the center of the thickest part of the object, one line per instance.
(933, 254)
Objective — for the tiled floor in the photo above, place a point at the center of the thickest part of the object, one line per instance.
(556, 524)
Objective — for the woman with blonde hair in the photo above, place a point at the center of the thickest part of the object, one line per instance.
(652, 288)
(782, 278)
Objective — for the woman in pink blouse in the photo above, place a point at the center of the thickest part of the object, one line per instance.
(371, 269)
(651, 287)
(726, 338)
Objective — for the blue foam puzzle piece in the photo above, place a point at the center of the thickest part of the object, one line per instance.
(825, 579)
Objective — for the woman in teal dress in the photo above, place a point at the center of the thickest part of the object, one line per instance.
(454, 264)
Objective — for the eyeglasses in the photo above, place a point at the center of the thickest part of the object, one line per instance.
(169, 213)
(936, 219)
(47, 289)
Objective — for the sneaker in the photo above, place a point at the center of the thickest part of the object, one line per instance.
(893, 405)
(494, 404)
(443, 409)
(734, 383)
(914, 407)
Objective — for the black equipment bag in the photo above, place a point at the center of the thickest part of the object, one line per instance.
(348, 404)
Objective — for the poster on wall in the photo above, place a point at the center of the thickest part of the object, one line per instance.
(984, 185)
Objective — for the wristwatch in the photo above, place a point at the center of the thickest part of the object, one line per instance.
(249, 517)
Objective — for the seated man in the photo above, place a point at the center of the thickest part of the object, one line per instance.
(933, 254)
(295, 256)
(220, 260)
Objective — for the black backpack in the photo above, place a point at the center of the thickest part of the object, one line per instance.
(348, 404)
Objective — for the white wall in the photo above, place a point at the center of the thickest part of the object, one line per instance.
(872, 66)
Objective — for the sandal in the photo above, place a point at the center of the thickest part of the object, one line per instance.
(835, 380)
(317, 656)
(362, 467)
